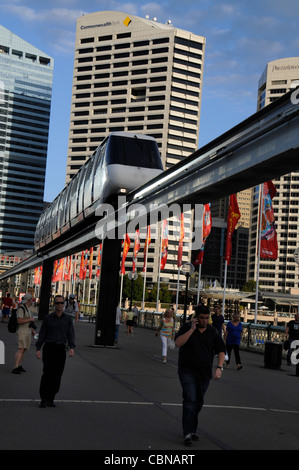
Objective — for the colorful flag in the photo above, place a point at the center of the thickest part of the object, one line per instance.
(181, 241)
(90, 262)
(136, 248)
(125, 252)
(206, 230)
(68, 268)
(99, 260)
(269, 247)
(232, 219)
(164, 244)
(146, 244)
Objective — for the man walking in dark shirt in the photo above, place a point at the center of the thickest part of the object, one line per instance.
(198, 342)
(56, 332)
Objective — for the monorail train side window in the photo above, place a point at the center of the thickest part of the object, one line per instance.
(100, 157)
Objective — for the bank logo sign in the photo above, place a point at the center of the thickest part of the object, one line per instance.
(127, 21)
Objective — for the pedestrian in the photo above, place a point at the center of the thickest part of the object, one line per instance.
(135, 315)
(56, 332)
(218, 320)
(292, 334)
(25, 331)
(166, 329)
(232, 338)
(129, 322)
(71, 307)
(198, 342)
(6, 306)
(117, 323)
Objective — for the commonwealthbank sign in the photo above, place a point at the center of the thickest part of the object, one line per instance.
(126, 22)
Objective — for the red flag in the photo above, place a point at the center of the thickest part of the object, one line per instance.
(99, 260)
(90, 262)
(181, 241)
(232, 219)
(269, 247)
(125, 252)
(206, 230)
(147, 243)
(136, 248)
(164, 244)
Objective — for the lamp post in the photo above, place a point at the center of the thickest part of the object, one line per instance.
(132, 275)
(188, 270)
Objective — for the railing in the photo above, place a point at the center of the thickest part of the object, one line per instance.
(254, 335)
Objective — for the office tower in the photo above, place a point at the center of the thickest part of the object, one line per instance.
(280, 275)
(137, 75)
(25, 100)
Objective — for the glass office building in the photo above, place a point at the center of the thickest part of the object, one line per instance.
(25, 99)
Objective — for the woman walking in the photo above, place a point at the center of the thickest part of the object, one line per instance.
(166, 329)
(232, 337)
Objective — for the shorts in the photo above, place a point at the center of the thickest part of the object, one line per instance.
(24, 340)
(5, 312)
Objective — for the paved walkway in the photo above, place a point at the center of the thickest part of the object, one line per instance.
(125, 398)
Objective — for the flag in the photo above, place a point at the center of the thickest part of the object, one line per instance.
(125, 252)
(68, 269)
(146, 245)
(83, 265)
(164, 244)
(90, 262)
(58, 270)
(181, 241)
(136, 248)
(232, 219)
(99, 260)
(269, 247)
(206, 230)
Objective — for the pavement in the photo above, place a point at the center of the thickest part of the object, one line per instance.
(124, 399)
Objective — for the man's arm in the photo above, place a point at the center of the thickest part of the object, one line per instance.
(182, 339)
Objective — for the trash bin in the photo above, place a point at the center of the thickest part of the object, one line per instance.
(273, 355)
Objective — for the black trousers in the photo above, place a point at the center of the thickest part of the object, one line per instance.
(235, 347)
(54, 357)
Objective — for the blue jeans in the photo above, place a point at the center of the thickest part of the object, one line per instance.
(194, 388)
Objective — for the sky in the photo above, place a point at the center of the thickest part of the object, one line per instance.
(242, 36)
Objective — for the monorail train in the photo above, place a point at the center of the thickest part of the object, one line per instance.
(122, 162)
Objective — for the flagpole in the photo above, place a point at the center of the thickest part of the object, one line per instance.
(121, 290)
(199, 281)
(158, 288)
(177, 291)
(145, 270)
(259, 249)
(224, 288)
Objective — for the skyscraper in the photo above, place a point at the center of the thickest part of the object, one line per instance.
(282, 274)
(25, 101)
(138, 75)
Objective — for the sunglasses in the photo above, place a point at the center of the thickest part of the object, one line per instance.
(59, 303)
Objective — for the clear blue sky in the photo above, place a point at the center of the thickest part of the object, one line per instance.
(242, 36)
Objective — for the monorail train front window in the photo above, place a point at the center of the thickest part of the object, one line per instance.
(133, 151)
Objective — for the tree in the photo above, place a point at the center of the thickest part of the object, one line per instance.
(249, 286)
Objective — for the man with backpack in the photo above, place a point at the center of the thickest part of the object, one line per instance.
(24, 332)
(71, 308)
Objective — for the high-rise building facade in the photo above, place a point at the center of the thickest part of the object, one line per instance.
(137, 75)
(25, 101)
(282, 274)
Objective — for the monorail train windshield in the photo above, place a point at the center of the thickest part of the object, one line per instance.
(133, 152)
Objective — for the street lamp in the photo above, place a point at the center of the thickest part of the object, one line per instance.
(132, 275)
(188, 270)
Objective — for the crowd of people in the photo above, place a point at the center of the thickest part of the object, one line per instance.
(201, 340)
